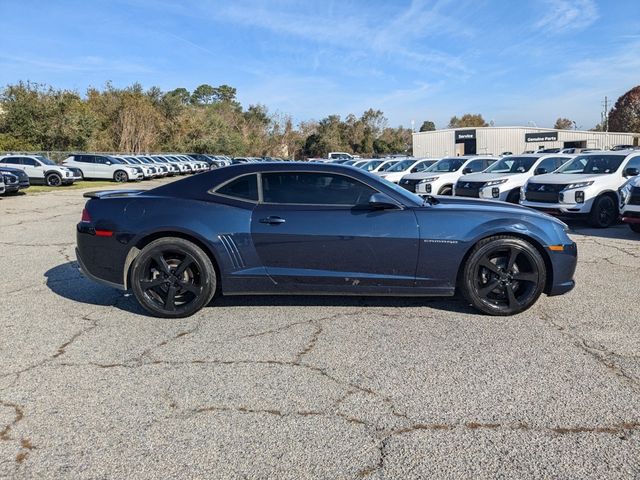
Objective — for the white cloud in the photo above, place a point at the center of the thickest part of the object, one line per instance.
(568, 15)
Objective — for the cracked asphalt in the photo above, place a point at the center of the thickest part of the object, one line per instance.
(322, 387)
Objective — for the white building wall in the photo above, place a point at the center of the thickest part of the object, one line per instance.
(497, 140)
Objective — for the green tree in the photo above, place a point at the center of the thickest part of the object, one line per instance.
(625, 115)
(427, 126)
(467, 120)
(203, 95)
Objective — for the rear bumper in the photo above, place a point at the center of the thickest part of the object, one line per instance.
(630, 216)
(87, 273)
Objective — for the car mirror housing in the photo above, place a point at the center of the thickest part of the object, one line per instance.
(467, 170)
(631, 172)
(540, 171)
(380, 201)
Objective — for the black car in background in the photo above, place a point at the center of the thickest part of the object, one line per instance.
(14, 179)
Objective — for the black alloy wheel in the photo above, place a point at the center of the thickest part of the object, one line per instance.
(503, 275)
(604, 212)
(121, 176)
(53, 180)
(173, 278)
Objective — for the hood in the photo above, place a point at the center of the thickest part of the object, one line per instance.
(565, 178)
(440, 174)
(486, 177)
(502, 209)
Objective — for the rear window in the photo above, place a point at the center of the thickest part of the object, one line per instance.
(242, 188)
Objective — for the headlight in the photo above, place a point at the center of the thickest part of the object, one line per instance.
(428, 180)
(495, 182)
(578, 185)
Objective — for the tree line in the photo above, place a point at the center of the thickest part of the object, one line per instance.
(36, 117)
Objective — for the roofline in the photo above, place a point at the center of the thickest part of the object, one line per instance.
(540, 129)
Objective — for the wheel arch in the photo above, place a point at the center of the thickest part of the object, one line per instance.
(443, 187)
(189, 236)
(528, 238)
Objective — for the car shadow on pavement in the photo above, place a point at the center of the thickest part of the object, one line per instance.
(620, 231)
(67, 281)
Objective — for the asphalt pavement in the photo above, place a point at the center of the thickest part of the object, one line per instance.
(321, 387)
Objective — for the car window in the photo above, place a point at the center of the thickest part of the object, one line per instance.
(594, 164)
(243, 188)
(446, 165)
(11, 160)
(422, 166)
(475, 165)
(307, 188)
(401, 166)
(549, 164)
(634, 163)
(512, 165)
(29, 161)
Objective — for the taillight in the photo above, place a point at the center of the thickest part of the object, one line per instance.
(86, 218)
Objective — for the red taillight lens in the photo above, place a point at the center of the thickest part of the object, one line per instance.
(86, 218)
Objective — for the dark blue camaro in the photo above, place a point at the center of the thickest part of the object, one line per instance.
(298, 228)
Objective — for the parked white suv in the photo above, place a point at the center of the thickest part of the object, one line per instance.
(41, 170)
(440, 177)
(396, 172)
(630, 202)
(504, 179)
(586, 186)
(104, 167)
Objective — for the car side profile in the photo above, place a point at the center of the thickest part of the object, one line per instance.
(104, 167)
(308, 228)
(586, 186)
(41, 170)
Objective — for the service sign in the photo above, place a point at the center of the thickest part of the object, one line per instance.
(541, 137)
(462, 135)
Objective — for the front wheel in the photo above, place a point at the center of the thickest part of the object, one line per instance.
(121, 176)
(446, 190)
(53, 180)
(603, 213)
(173, 278)
(503, 276)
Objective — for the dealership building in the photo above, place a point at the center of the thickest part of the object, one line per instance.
(497, 140)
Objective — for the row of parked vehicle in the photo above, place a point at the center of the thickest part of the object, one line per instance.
(600, 186)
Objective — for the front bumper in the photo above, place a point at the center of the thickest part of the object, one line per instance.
(563, 268)
(561, 209)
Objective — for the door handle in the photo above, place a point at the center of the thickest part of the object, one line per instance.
(272, 220)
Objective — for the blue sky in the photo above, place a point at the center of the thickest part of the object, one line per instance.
(514, 61)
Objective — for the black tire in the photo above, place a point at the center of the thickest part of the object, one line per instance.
(53, 180)
(446, 190)
(503, 275)
(635, 227)
(514, 196)
(173, 278)
(604, 212)
(120, 176)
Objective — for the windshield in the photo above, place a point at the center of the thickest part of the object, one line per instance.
(371, 165)
(45, 160)
(512, 165)
(401, 166)
(423, 166)
(385, 166)
(446, 165)
(592, 164)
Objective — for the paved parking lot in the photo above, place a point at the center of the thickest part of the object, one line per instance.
(91, 387)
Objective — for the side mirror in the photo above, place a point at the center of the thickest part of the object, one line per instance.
(467, 170)
(631, 172)
(540, 171)
(380, 201)
(108, 162)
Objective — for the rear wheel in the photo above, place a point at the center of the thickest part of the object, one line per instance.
(604, 212)
(53, 180)
(173, 278)
(635, 227)
(503, 275)
(121, 176)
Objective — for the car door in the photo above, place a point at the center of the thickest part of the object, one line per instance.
(33, 168)
(315, 228)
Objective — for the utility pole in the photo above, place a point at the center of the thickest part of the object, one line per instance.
(605, 114)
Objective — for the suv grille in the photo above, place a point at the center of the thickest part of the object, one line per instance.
(543, 192)
(469, 189)
(409, 184)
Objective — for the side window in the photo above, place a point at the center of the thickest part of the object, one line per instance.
(29, 162)
(633, 163)
(475, 165)
(243, 188)
(310, 188)
(82, 158)
(549, 164)
(11, 160)
(488, 163)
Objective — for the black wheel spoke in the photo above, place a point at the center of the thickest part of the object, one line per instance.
(489, 265)
(513, 255)
(170, 301)
(147, 284)
(190, 287)
(491, 285)
(162, 263)
(511, 297)
(188, 261)
(526, 276)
